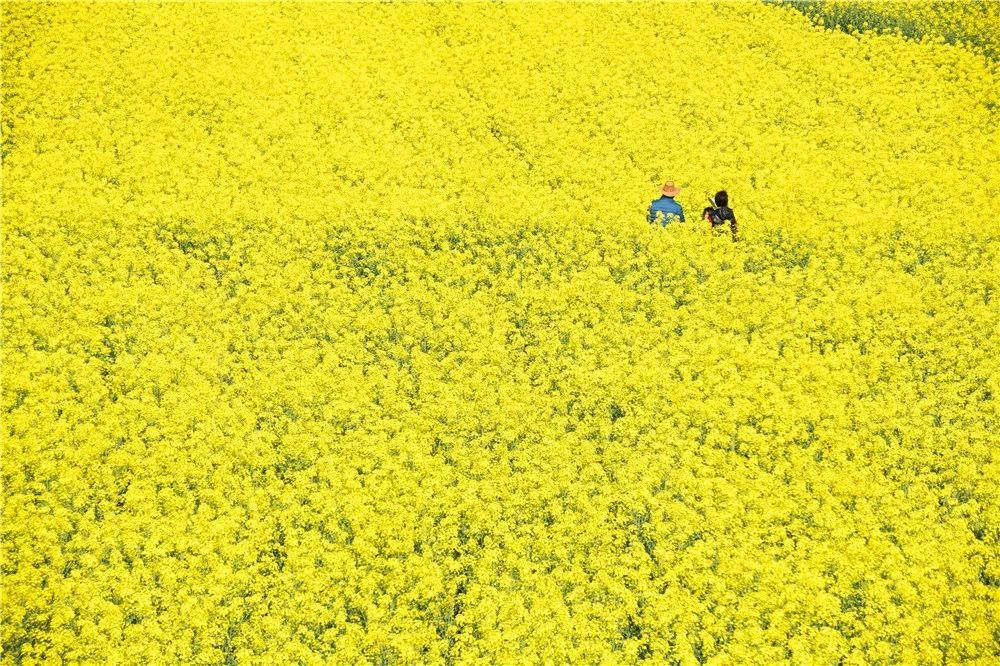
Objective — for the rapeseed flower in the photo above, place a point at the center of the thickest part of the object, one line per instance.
(337, 333)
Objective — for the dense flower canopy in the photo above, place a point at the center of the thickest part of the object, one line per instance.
(336, 332)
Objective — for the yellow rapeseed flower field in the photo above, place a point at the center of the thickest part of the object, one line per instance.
(336, 333)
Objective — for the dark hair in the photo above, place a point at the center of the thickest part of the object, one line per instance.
(721, 199)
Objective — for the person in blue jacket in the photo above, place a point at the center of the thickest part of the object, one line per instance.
(665, 210)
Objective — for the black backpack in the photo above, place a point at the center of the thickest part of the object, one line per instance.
(721, 215)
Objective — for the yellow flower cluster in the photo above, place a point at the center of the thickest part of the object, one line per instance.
(337, 333)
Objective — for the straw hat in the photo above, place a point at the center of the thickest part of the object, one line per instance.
(669, 189)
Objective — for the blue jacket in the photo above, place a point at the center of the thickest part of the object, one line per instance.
(668, 207)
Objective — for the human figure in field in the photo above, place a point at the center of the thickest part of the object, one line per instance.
(719, 213)
(665, 210)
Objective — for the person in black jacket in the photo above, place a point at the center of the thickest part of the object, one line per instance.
(719, 213)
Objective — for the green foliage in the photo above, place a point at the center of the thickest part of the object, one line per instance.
(970, 23)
